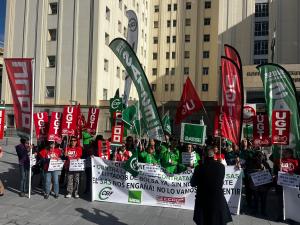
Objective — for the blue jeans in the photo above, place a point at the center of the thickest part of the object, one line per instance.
(47, 182)
(24, 171)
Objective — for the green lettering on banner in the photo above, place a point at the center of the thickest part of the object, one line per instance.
(193, 133)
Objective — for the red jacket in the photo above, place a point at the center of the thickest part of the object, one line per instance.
(46, 155)
(123, 156)
(72, 153)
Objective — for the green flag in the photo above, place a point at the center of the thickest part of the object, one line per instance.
(149, 113)
(132, 119)
(131, 165)
(280, 94)
(166, 123)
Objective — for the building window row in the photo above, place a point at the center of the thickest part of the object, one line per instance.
(174, 7)
(169, 23)
(261, 9)
(168, 71)
(206, 21)
(50, 91)
(261, 28)
(205, 87)
(207, 4)
(172, 87)
(205, 54)
(53, 8)
(261, 47)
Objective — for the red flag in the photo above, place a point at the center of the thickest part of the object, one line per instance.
(281, 127)
(92, 122)
(80, 122)
(233, 54)
(261, 130)
(20, 78)
(232, 101)
(218, 121)
(189, 102)
(69, 121)
(54, 133)
(41, 123)
(2, 123)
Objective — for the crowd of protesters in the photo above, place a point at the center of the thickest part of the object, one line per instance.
(167, 154)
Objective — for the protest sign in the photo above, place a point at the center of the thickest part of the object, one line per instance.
(111, 183)
(55, 165)
(188, 158)
(288, 180)
(291, 201)
(193, 133)
(261, 177)
(280, 127)
(77, 165)
(32, 160)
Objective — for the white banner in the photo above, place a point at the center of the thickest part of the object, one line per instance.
(111, 183)
(261, 177)
(291, 202)
(288, 180)
(55, 165)
(77, 165)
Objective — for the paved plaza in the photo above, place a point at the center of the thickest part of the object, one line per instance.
(23, 211)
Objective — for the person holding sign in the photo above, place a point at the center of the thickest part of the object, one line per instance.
(189, 159)
(210, 206)
(73, 151)
(47, 154)
(149, 156)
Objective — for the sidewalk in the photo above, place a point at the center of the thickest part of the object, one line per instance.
(38, 211)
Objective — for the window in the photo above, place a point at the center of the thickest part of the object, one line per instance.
(50, 91)
(51, 61)
(188, 5)
(52, 35)
(186, 70)
(261, 28)
(167, 71)
(169, 7)
(174, 23)
(107, 14)
(154, 55)
(120, 4)
(205, 70)
(52, 8)
(118, 72)
(167, 55)
(104, 94)
(166, 87)
(119, 26)
(260, 61)
(168, 39)
(205, 87)
(172, 71)
(186, 54)
(205, 54)
(261, 9)
(168, 23)
(173, 55)
(206, 38)
(172, 87)
(154, 71)
(261, 47)
(156, 8)
(106, 65)
(174, 39)
(155, 40)
(207, 5)
(107, 39)
(187, 38)
(153, 87)
(188, 22)
(155, 24)
(175, 7)
(206, 21)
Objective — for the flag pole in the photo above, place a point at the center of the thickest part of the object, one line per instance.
(31, 125)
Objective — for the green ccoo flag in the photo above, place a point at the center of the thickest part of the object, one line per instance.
(166, 123)
(149, 113)
(132, 120)
(280, 94)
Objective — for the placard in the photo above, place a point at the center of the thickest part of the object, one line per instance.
(188, 158)
(55, 165)
(32, 160)
(77, 165)
(193, 133)
(288, 180)
(261, 177)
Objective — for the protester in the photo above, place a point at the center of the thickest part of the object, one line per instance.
(72, 152)
(149, 156)
(219, 156)
(122, 154)
(23, 151)
(194, 161)
(129, 143)
(169, 158)
(210, 206)
(1, 184)
(288, 163)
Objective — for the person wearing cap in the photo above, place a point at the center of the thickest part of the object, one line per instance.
(210, 206)
(72, 152)
(50, 152)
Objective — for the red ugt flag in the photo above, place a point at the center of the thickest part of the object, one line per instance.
(189, 102)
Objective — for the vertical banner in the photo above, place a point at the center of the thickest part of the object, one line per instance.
(148, 107)
(2, 122)
(280, 94)
(218, 121)
(69, 121)
(92, 122)
(54, 133)
(117, 129)
(280, 127)
(232, 53)
(232, 91)
(41, 123)
(249, 111)
(20, 79)
(261, 130)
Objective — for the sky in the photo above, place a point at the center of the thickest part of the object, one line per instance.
(2, 20)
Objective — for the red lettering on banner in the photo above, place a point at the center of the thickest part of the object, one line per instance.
(261, 130)
(69, 120)
(92, 120)
(41, 124)
(280, 127)
(55, 127)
